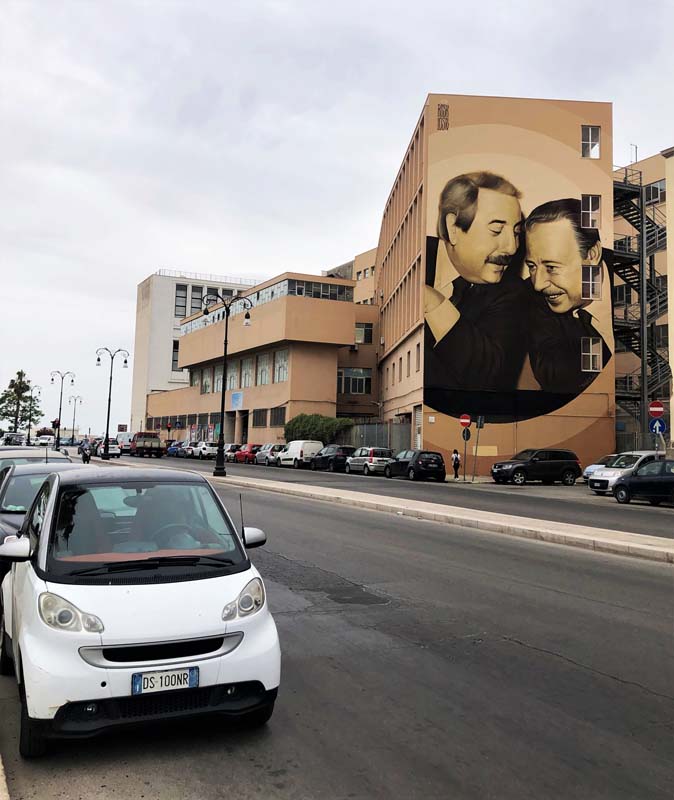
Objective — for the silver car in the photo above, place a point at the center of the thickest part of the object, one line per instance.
(604, 479)
(369, 460)
(267, 454)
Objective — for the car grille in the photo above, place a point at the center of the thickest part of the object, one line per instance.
(598, 483)
(162, 651)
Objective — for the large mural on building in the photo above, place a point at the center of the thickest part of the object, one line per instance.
(517, 297)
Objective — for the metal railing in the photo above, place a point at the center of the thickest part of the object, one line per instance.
(203, 276)
(627, 175)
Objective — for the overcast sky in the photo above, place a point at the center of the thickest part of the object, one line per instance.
(246, 138)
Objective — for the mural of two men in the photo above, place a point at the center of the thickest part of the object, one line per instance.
(502, 287)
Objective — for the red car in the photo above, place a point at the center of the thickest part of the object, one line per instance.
(246, 455)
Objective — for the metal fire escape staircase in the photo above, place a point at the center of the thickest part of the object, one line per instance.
(628, 261)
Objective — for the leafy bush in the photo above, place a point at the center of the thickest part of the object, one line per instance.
(315, 426)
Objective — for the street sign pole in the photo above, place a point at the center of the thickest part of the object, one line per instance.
(477, 447)
(465, 448)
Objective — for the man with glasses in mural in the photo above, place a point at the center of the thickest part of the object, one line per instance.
(568, 344)
(474, 299)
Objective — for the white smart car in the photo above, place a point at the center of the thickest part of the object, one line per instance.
(131, 598)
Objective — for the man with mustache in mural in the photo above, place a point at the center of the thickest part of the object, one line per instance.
(474, 300)
(561, 330)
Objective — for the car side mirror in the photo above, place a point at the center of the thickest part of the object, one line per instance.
(535, 458)
(15, 548)
(253, 537)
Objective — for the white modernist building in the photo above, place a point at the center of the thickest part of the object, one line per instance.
(162, 300)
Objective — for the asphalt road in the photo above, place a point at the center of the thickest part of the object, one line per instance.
(576, 505)
(419, 661)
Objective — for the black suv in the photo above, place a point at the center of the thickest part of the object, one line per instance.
(416, 465)
(547, 466)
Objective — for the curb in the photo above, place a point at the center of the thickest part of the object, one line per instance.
(4, 789)
(600, 540)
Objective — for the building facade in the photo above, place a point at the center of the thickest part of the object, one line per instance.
(308, 349)
(162, 300)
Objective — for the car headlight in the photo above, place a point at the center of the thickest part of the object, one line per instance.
(250, 601)
(506, 466)
(64, 616)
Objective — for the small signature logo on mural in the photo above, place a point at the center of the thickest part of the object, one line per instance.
(443, 117)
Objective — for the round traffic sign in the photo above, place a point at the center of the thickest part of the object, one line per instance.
(464, 420)
(655, 408)
(466, 434)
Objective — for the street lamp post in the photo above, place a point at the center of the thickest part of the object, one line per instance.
(62, 375)
(74, 399)
(106, 444)
(37, 389)
(227, 303)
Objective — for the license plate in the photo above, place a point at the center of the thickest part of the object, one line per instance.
(148, 682)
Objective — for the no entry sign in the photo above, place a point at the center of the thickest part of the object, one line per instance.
(655, 409)
(464, 420)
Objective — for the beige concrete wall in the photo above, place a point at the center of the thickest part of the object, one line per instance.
(365, 288)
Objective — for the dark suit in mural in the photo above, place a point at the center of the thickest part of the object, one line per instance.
(567, 349)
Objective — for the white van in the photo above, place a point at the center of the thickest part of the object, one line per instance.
(124, 442)
(299, 453)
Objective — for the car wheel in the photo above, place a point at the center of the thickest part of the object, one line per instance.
(366, 471)
(201, 456)
(622, 495)
(568, 477)
(347, 469)
(266, 462)
(296, 464)
(32, 743)
(387, 472)
(312, 466)
(654, 501)
(258, 718)
(6, 663)
(600, 494)
(411, 474)
(519, 477)
(331, 465)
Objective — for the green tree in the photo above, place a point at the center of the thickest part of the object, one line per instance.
(315, 426)
(15, 403)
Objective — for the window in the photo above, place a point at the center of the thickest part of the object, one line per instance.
(387, 377)
(364, 332)
(590, 141)
(263, 370)
(232, 375)
(418, 358)
(661, 282)
(620, 346)
(650, 470)
(180, 306)
(212, 292)
(197, 294)
(174, 358)
(409, 362)
(590, 359)
(400, 369)
(280, 366)
(656, 192)
(359, 276)
(278, 417)
(354, 381)
(591, 280)
(393, 373)
(622, 295)
(366, 273)
(206, 380)
(260, 418)
(217, 379)
(195, 376)
(246, 372)
(590, 214)
(661, 336)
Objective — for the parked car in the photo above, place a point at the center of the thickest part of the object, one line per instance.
(547, 466)
(653, 481)
(45, 440)
(108, 607)
(205, 450)
(333, 457)
(606, 461)
(230, 450)
(299, 453)
(603, 480)
(24, 455)
(188, 450)
(416, 465)
(114, 450)
(369, 460)
(147, 443)
(174, 449)
(124, 441)
(247, 453)
(267, 454)
(14, 439)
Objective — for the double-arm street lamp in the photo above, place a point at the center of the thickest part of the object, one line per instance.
(74, 400)
(106, 444)
(62, 375)
(37, 390)
(227, 303)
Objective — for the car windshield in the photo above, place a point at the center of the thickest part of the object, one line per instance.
(20, 493)
(7, 462)
(608, 461)
(622, 462)
(118, 527)
(523, 455)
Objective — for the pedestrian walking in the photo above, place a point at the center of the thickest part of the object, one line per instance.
(456, 463)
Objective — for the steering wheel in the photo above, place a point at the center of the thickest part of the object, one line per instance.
(161, 533)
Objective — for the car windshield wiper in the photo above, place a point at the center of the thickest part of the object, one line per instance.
(154, 563)
(4, 510)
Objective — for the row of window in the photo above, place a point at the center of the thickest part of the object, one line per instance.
(365, 273)
(354, 380)
(181, 422)
(196, 295)
(276, 419)
(260, 370)
(622, 294)
(408, 362)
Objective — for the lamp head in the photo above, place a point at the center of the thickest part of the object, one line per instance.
(98, 361)
(125, 364)
(52, 379)
(246, 319)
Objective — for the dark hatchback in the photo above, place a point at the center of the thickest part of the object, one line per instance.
(333, 457)
(653, 482)
(416, 465)
(547, 466)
